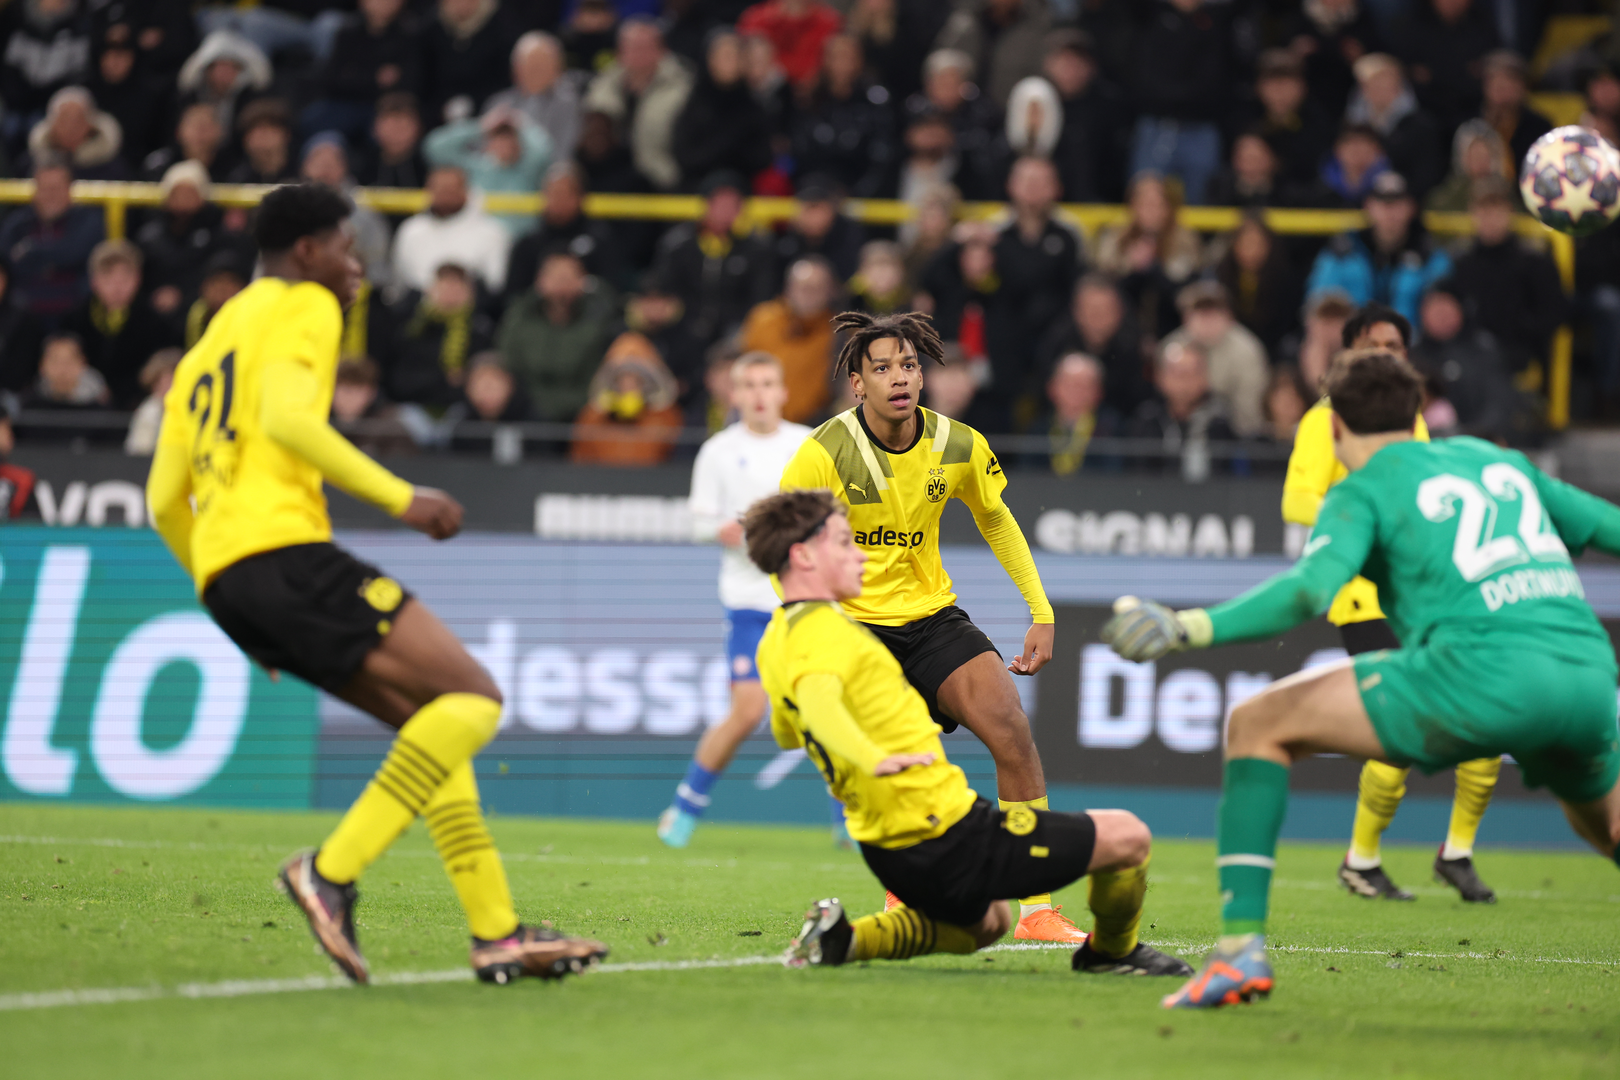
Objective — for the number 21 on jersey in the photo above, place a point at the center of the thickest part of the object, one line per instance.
(213, 439)
(1477, 551)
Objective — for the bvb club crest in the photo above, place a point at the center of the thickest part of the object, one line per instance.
(936, 489)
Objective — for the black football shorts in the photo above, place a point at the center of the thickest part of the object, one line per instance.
(989, 855)
(311, 610)
(931, 649)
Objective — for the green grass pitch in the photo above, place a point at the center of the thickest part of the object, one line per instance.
(174, 908)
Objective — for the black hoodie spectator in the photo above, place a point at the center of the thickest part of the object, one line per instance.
(369, 61)
(1442, 55)
(1182, 61)
(722, 126)
(43, 53)
(467, 60)
(1094, 143)
(20, 339)
(1331, 40)
(845, 130)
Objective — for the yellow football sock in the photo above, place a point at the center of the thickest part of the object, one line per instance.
(903, 933)
(444, 733)
(1382, 789)
(1029, 903)
(1116, 906)
(456, 824)
(1476, 781)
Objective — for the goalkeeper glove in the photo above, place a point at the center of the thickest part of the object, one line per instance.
(1146, 630)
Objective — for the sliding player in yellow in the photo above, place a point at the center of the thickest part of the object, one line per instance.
(949, 855)
(894, 464)
(235, 492)
(1312, 470)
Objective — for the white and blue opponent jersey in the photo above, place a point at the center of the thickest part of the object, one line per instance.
(735, 469)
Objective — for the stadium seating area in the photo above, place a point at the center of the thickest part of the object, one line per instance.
(605, 201)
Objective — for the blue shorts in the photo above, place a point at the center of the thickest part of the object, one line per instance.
(744, 628)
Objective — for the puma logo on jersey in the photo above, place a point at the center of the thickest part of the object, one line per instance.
(1317, 543)
(856, 487)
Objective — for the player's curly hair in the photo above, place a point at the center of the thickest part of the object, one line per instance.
(775, 523)
(863, 329)
(294, 211)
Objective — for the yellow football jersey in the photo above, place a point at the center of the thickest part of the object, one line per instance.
(817, 636)
(251, 494)
(1312, 470)
(895, 500)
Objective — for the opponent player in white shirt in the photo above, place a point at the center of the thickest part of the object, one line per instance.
(735, 468)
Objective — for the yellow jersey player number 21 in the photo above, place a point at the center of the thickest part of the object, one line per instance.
(894, 465)
(235, 492)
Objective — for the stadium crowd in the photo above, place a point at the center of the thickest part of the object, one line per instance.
(1146, 331)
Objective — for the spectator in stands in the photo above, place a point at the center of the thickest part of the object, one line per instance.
(607, 162)
(226, 72)
(1034, 119)
(544, 91)
(381, 53)
(116, 327)
(1392, 262)
(157, 376)
(796, 329)
(20, 338)
(1260, 282)
(223, 276)
(973, 120)
(1253, 179)
(443, 327)
(1597, 298)
(1358, 160)
(1464, 364)
(277, 25)
(48, 245)
(929, 231)
(948, 387)
(1599, 84)
(451, 230)
(845, 129)
(1313, 348)
(1235, 358)
(397, 131)
(1505, 84)
(797, 30)
(1296, 126)
(1285, 406)
(163, 31)
(266, 129)
(76, 131)
(198, 137)
(1098, 326)
(127, 96)
(717, 274)
(632, 392)
(554, 337)
(721, 126)
(820, 227)
(464, 58)
(1183, 417)
(326, 161)
(589, 36)
(491, 394)
(1038, 260)
(655, 313)
(1442, 42)
(769, 85)
(360, 411)
(1330, 36)
(879, 286)
(1075, 414)
(1094, 140)
(177, 242)
(499, 151)
(66, 379)
(932, 162)
(562, 224)
(643, 92)
(47, 48)
(1183, 65)
(1153, 256)
(1411, 137)
(897, 36)
(1004, 39)
(1477, 153)
(1510, 287)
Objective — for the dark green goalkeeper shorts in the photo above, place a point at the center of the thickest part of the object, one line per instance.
(1550, 705)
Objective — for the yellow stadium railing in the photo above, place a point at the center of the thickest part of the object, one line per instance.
(115, 198)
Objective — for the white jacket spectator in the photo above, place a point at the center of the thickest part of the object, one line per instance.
(1034, 117)
(453, 229)
(1238, 373)
(544, 90)
(659, 83)
(73, 128)
(226, 70)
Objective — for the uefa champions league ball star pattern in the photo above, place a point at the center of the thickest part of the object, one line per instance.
(1571, 180)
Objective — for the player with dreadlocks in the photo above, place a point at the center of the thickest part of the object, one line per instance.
(894, 464)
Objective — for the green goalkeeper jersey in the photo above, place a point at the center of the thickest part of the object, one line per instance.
(1460, 536)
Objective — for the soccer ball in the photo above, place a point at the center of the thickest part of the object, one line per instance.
(1571, 180)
